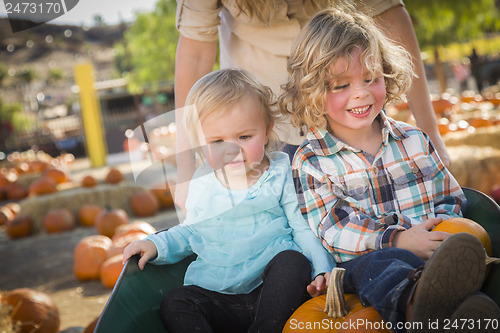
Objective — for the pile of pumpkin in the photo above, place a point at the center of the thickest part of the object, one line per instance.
(143, 203)
(99, 257)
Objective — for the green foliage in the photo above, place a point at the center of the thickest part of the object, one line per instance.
(27, 75)
(148, 50)
(9, 112)
(55, 75)
(439, 23)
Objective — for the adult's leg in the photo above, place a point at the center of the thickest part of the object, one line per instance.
(285, 280)
(194, 309)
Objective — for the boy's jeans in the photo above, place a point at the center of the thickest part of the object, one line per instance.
(266, 309)
(380, 279)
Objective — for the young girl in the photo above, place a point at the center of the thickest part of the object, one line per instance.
(372, 188)
(256, 254)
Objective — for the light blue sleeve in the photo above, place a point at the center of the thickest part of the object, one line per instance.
(172, 245)
(320, 258)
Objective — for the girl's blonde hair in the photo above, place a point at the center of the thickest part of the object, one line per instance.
(217, 92)
(330, 35)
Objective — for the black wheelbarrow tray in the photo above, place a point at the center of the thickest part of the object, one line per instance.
(135, 300)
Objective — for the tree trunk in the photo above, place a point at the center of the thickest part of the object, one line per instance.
(438, 67)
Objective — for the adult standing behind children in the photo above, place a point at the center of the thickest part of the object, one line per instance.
(257, 36)
(371, 187)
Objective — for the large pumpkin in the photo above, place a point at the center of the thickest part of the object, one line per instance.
(57, 175)
(134, 227)
(121, 242)
(164, 196)
(335, 312)
(108, 219)
(89, 255)
(58, 220)
(461, 224)
(42, 186)
(32, 311)
(110, 270)
(144, 203)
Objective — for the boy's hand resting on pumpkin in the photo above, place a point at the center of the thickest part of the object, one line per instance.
(420, 240)
(319, 285)
(146, 248)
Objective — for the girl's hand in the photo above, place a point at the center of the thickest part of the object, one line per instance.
(319, 285)
(146, 248)
(420, 240)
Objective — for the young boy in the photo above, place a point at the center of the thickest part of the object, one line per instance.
(372, 188)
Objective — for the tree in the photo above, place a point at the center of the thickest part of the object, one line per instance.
(148, 50)
(439, 23)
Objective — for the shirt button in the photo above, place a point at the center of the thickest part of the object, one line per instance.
(414, 169)
(375, 171)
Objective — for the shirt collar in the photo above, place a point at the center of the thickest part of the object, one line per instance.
(323, 143)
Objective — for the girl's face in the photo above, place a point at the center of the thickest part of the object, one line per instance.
(236, 138)
(353, 102)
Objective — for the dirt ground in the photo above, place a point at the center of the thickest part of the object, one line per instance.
(45, 262)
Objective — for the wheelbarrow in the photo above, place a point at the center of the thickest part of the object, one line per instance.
(135, 300)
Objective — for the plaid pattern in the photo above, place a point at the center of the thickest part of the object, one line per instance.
(355, 206)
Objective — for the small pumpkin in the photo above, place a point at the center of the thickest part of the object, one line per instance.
(42, 186)
(461, 224)
(15, 191)
(114, 176)
(20, 226)
(89, 255)
(110, 270)
(5, 215)
(33, 310)
(164, 196)
(59, 176)
(109, 219)
(334, 312)
(144, 203)
(89, 181)
(88, 213)
(58, 220)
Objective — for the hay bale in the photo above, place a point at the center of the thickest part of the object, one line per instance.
(475, 167)
(114, 196)
(483, 136)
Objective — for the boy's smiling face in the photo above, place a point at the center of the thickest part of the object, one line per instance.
(355, 98)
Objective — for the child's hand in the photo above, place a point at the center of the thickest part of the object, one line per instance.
(419, 240)
(319, 285)
(146, 248)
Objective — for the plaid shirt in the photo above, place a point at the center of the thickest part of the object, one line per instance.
(355, 205)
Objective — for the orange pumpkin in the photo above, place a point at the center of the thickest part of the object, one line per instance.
(461, 224)
(164, 196)
(110, 270)
(20, 226)
(89, 255)
(88, 213)
(89, 181)
(91, 326)
(5, 215)
(345, 310)
(114, 176)
(109, 219)
(120, 243)
(144, 203)
(14, 207)
(57, 175)
(42, 186)
(137, 226)
(15, 191)
(33, 310)
(58, 220)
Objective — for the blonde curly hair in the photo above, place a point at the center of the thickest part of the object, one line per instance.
(330, 35)
(218, 91)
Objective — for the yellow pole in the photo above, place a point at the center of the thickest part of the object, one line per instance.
(91, 115)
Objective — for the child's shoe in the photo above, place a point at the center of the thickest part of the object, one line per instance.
(478, 313)
(455, 271)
